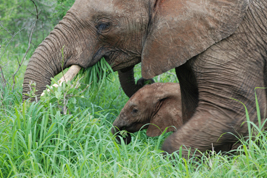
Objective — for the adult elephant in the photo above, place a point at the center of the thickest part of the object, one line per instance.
(218, 48)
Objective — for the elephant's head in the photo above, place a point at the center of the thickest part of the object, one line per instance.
(115, 30)
(161, 34)
(158, 106)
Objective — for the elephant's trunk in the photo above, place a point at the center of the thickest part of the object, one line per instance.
(116, 132)
(62, 48)
(43, 65)
(127, 81)
(116, 126)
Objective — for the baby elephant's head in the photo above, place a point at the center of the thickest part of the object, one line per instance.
(155, 107)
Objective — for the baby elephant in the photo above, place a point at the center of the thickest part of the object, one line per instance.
(158, 105)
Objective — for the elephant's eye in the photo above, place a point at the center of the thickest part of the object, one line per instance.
(103, 26)
(134, 111)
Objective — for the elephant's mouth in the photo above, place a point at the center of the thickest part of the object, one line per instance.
(108, 54)
(135, 127)
(125, 137)
(124, 132)
(118, 59)
(119, 135)
(102, 52)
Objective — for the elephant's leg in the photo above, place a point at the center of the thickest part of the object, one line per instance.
(127, 81)
(189, 90)
(225, 81)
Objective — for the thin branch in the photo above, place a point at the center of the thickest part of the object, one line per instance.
(29, 45)
(5, 29)
(11, 40)
(3, 77)
(37, 17)
(62, 70)
(13, 76)
(1, 70)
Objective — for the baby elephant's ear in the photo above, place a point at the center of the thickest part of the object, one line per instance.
(182, 29)
(168, 116)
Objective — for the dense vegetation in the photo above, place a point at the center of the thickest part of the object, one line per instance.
(39, 140)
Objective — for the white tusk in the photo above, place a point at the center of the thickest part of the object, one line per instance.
(72, 72)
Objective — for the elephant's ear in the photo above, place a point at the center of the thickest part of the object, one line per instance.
(168, 116)
(168, 110)
(182, 29)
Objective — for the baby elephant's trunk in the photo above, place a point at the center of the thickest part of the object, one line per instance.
(121, 135)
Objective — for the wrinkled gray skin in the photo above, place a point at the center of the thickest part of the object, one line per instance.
(218, 48)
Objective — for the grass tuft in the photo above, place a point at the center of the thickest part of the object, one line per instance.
(40, 140)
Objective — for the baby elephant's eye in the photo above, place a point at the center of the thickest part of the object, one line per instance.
(134, 111)
(103, 26)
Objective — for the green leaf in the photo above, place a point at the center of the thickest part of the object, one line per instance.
(58, 95)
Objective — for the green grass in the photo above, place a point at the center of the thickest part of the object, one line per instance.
(37, 140)
(41, 142)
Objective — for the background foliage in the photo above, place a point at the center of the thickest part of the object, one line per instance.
(40, 140)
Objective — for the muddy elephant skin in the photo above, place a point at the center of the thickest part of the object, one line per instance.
(155, 107)
(218, 48)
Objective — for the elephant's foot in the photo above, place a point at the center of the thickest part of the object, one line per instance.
(204, 131)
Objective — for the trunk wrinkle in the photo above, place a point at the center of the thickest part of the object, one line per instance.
(74, 19)
(46, 62)
(59, 33)
(51, 69)
(37, 71)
